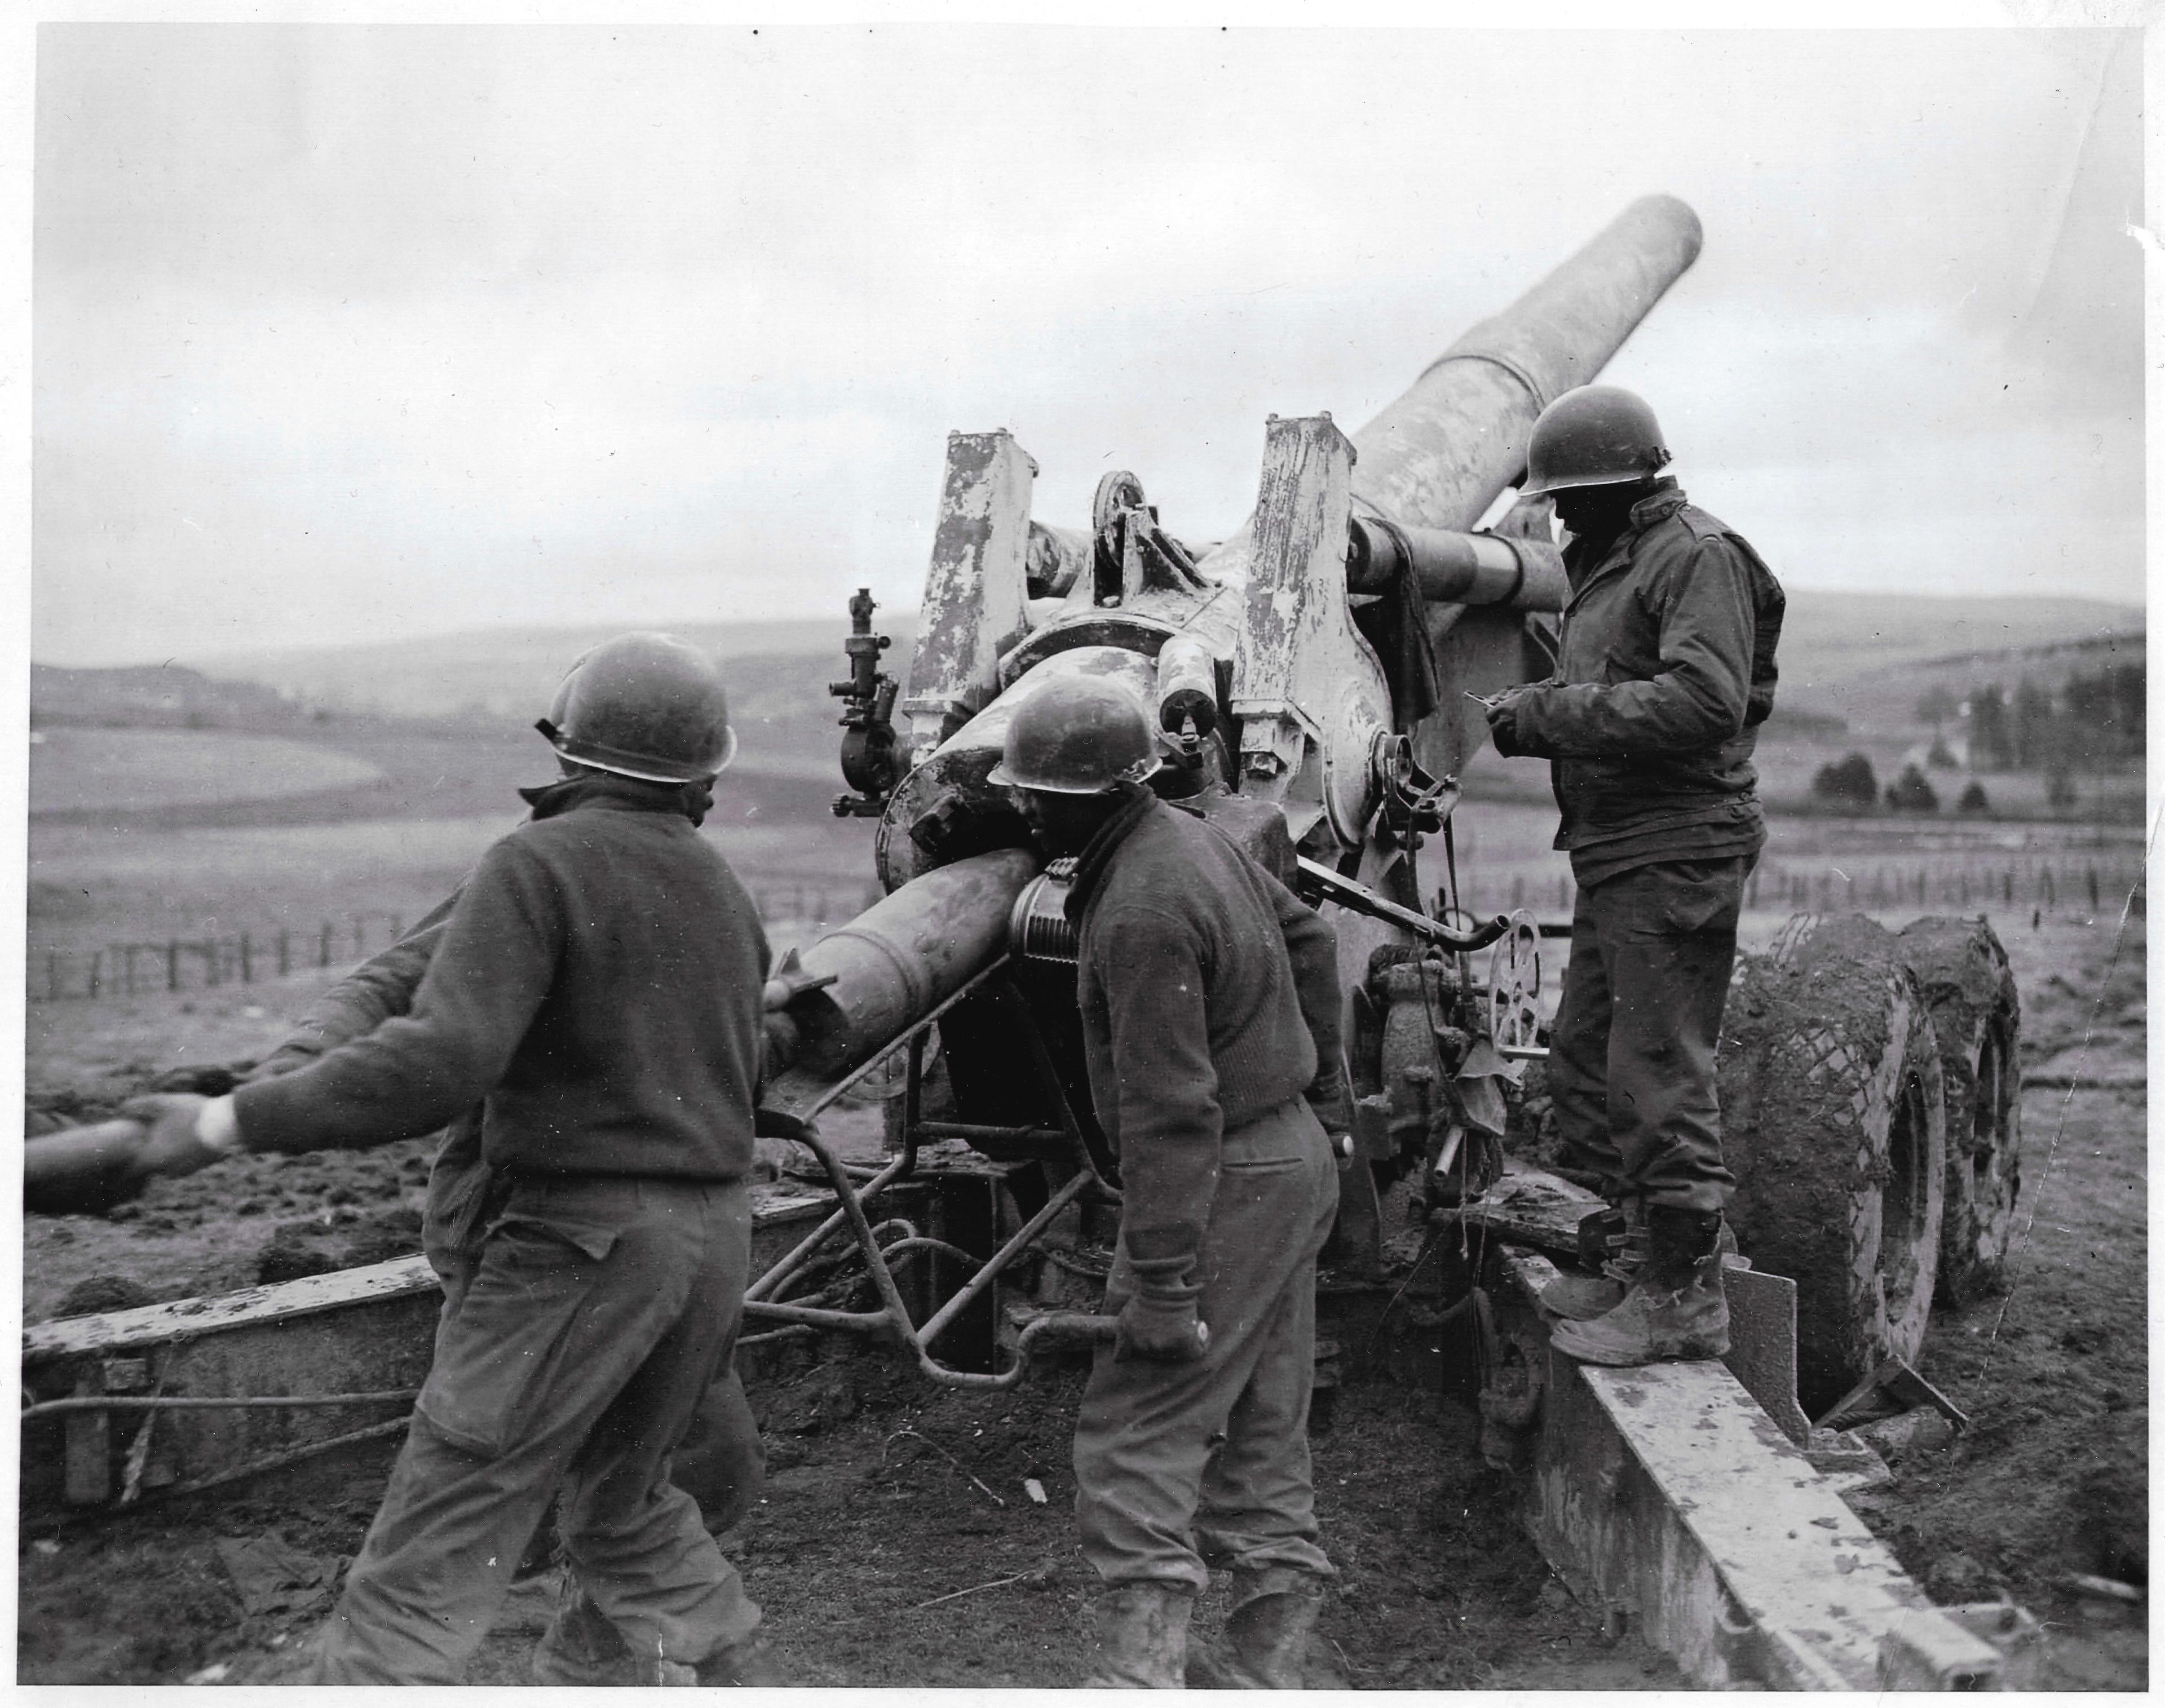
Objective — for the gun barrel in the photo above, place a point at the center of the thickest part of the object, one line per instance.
(1439, 456)
(1459, 569)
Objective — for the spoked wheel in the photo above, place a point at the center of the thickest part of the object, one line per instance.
(1514, 985)
(1834, 1122)
(1976, 1013)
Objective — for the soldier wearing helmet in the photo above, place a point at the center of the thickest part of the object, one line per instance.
(597, 988)
(1664, 672)
(1210, 1011)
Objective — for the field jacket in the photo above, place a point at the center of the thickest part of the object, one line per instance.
(1664, 672)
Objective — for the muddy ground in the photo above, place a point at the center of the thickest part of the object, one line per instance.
(884, 1495)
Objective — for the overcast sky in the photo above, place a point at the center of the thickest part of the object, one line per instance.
(353, 333)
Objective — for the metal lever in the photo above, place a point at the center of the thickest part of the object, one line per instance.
(1360, 899)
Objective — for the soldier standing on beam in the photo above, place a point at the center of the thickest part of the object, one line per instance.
(1664, 672)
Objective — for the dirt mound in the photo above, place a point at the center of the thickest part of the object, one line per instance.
(100, 1294)
(313, 1248)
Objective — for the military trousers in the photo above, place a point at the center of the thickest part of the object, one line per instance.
(1183, 1467)
(1631, 1055)
(720, 1463)
(596, 1316)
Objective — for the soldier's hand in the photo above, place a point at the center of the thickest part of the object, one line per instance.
(1331, 1101)
(1503, 722)
(172, 1146)
(1161, 1332)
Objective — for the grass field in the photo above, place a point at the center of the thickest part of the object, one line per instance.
(392, 822)
(79, 770)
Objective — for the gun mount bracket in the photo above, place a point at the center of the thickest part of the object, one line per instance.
(856, 1188)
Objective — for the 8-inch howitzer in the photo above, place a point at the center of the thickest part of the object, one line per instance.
(1312, 676)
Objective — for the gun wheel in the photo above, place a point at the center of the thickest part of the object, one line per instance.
(1514, 984)
(1976, 1013)
(1835, 1125)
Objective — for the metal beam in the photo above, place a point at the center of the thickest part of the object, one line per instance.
(1666, 1495)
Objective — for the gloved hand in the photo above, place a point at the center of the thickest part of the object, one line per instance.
(1503, 722)
(780, 1041)
(1160, 1322)
(173, 1145)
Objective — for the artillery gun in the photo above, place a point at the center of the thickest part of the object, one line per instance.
(1313, 676)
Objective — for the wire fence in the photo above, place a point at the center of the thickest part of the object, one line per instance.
(178, 964)
(1821, 884)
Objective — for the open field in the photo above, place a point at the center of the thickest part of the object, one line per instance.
(386, 845)
(332, 868)
(96, 770)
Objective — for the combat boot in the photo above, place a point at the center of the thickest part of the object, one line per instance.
(1675, 1309)
(1613, 1242)
(1139, 1638)
(1264, 1645)
(1581, 1298)
(581, 1647)
(750, 1662)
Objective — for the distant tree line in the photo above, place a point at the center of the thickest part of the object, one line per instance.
(2096, 719)
(1850, 782)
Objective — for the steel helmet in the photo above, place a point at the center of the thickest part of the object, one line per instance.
(1077, 735)
(647, 706)
(1594, 436)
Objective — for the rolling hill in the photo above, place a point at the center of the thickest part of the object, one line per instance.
(1829, 639)
(513, 672)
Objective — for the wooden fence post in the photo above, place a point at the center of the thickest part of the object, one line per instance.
(172, 964)
(285, 954)
(247, 960)
(323, 946)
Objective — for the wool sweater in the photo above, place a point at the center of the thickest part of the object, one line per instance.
(598, 981)
(1210, 997)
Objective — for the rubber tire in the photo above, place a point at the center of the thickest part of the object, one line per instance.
(1835, 1125)
(1977, 1012)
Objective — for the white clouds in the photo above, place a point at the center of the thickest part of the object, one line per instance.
(376, 331)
